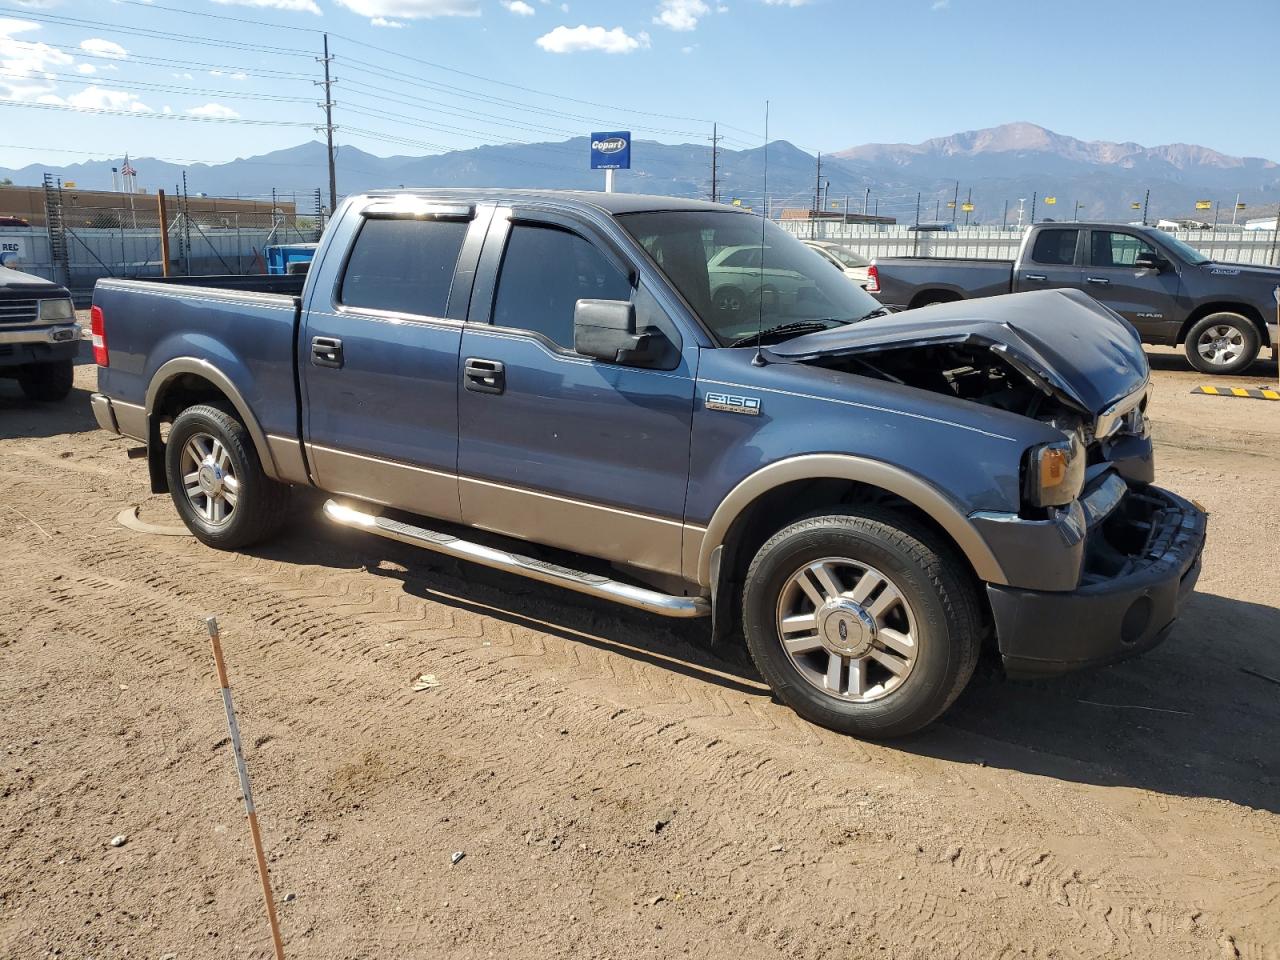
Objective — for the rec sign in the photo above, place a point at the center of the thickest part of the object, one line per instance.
(611, 151)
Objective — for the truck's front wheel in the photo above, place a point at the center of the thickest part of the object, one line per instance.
(217, 481)
(862, 621)
(47, 381)
(1222, 343)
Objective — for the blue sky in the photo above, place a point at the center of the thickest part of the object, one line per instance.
(101, 77)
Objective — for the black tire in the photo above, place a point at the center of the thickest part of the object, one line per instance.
(938, 296)
(931, 577)
(47, 381)
(260, 506)
(1241, 336)
(728, 300)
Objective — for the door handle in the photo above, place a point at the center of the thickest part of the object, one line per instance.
(484, 376)
(326, 352)
(1039, 277)
(1099, 280)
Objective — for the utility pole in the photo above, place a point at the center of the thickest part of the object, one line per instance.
(955, 203)
(1004, 221)
(937, 210)
(866, 199)
(1021, 204)
(1235, 210)
(164, 233)
(968, 202)
(715, 169)
(1076, 213)
(1145, 203)
(1034, 196)
(328, 128)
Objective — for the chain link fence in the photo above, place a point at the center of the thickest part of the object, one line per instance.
(81, 237)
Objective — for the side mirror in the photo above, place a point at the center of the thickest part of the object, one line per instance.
(1150, 261)
(606, 330)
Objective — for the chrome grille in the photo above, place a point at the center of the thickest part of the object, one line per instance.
(19, 311)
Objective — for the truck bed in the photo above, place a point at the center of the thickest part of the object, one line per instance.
(915, 281)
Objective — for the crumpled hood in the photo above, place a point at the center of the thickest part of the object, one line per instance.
(1063, 340)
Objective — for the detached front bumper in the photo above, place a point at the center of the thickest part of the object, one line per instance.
(1141, 564)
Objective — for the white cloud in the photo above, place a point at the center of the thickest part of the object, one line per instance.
(413, 9)
(518, 7)
(25, 65)
(104, 48)
(384, 22)
(95, 98)
(183, 76)
(86, 68)
(785, 3)
(223, 73)
(681, 14)
(940, 4)
(216, 110)
(576, 39)
(293, 6)
(689, 49)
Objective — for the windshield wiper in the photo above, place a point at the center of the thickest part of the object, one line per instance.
(792, 328)
(877, 312)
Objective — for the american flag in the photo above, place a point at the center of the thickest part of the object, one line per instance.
(127, 170)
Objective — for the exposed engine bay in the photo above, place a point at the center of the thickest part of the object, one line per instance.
(969, 371)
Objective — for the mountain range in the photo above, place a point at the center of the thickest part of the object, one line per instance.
(996, 166)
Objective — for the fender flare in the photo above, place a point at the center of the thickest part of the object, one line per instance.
(875, 473)
(203, 368)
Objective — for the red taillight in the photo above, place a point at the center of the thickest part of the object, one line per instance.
(98, 328)
(872, 285)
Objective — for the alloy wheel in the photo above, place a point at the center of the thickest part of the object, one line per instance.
(847, 628)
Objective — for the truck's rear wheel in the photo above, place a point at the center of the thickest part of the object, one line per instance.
(217, 481)
(47, 381)
(862, 621)
(1222, 343)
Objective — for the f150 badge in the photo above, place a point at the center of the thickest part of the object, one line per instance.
(730, 403)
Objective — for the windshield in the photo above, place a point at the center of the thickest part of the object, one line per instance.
(1184, 250)
(716, 261)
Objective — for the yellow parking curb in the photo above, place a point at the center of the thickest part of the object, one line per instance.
(1251, 393)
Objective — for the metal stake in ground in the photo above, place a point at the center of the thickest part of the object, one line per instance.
(243, 773)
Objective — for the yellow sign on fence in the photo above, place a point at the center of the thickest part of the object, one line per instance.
(967, 207)
(1204, 204)
(1050, 201)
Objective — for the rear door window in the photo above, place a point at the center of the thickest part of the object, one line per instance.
(403, 265)
(1055, 247)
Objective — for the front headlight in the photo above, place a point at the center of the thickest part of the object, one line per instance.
(1054, 473)
(52, 310)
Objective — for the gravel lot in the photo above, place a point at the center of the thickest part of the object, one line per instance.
(619, 789)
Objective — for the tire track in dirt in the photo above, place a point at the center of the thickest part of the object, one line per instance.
(683, 718)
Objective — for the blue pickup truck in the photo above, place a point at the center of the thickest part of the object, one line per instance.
(556, 385)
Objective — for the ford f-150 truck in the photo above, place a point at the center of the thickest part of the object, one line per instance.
(1221, 313)
(39, 336)
(547, 384)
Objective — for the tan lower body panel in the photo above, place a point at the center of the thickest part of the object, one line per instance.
(650, 543)
(416, 489)
(287, 454)
(131, 419)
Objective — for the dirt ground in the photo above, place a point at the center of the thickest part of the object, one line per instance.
(618, 788)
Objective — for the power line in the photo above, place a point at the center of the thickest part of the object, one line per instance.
(436, 66)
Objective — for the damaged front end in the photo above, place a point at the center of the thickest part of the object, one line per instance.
(1098, 560)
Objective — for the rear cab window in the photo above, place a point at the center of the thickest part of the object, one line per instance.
(1055, 247)
(402, 265)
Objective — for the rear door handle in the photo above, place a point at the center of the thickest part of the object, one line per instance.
(326, 352)
(484, 376)
(1039, 277)
(1101, 280)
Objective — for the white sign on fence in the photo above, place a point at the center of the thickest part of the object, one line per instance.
(12, 248)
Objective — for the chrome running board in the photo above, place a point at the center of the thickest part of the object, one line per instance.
(591, 584)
